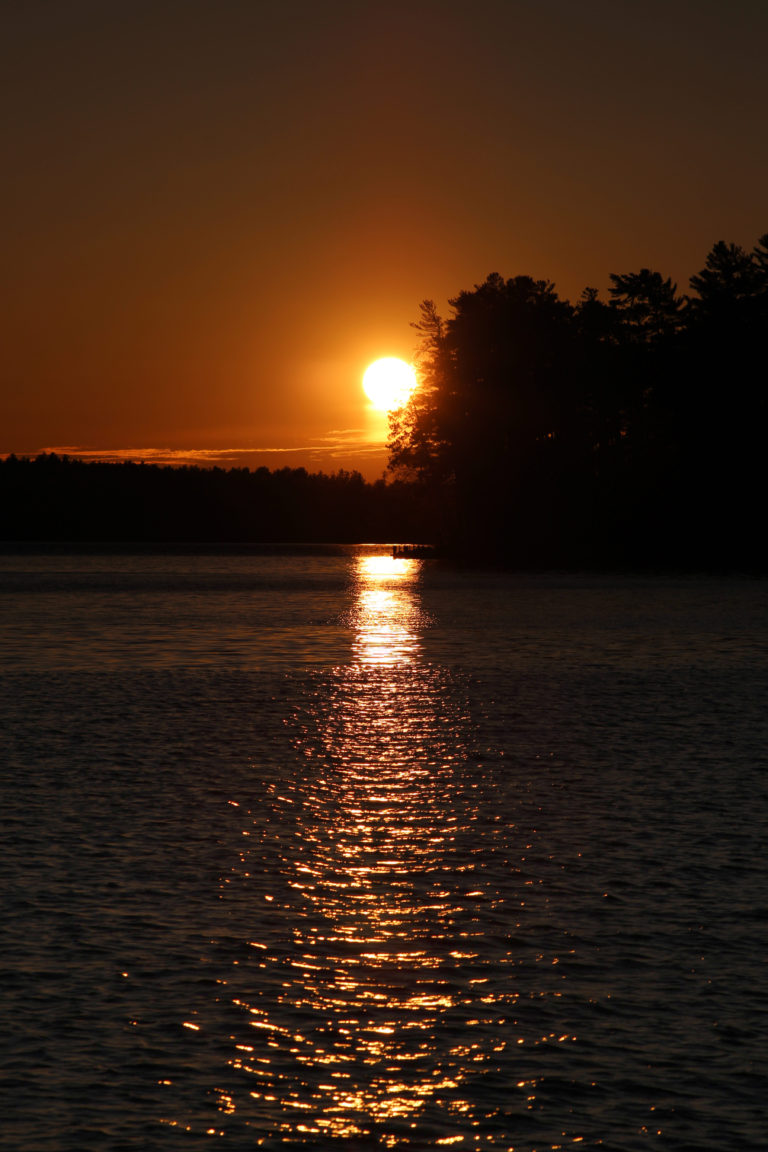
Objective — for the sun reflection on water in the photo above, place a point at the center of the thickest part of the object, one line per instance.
(386, 616)
(370, 1009)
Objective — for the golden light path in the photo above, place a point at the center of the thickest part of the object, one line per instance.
(369, 1009)
(364, 975)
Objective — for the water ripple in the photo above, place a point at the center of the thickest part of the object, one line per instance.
(461, 864)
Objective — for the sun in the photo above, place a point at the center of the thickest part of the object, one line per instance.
(388, 383)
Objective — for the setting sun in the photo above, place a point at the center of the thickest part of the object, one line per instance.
(388, 383)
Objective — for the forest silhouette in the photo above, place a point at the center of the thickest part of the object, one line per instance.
(618, 432)
(60, 498)
(626, 431)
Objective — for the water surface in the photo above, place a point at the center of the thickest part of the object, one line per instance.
(329, 849)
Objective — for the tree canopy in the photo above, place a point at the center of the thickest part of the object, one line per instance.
(548, 432)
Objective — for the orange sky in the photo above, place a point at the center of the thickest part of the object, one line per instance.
(218, 212)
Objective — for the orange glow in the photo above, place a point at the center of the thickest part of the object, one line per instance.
(318, 232)
(388, 383)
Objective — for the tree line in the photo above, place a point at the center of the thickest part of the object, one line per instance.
(628, 430)
(60, 498)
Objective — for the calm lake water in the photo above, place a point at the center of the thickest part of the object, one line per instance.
(317, 850)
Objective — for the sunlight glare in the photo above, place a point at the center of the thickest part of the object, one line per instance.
(388, 383)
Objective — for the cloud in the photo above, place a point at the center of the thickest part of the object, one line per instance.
(336, 445)
(162, 455)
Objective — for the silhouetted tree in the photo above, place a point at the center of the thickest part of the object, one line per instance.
(648, 305)
(629, 431)
(495, 401)
(725, 448)
(730, 277)
(61, 499)
(421, 432)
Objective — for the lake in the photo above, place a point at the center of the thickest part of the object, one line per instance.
(333, 849)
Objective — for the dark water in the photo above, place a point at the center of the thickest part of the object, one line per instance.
(337, 850)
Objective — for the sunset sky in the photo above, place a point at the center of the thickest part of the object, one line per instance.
(218, 212)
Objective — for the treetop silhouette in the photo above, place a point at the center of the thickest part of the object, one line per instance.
(548, 432)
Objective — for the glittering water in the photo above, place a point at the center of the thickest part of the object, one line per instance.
(317, 850)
